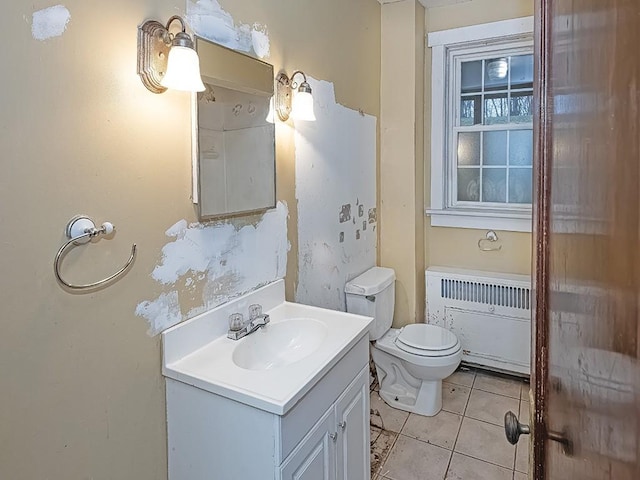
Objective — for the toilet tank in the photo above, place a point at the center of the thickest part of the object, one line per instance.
(373, 294)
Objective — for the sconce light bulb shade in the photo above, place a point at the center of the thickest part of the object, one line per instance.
(183, 70)
(271, 116)
(302, 106)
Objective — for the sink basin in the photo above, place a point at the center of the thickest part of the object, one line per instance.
(270, 369)
(279, 344)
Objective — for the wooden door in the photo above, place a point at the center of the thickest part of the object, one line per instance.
(586, 378)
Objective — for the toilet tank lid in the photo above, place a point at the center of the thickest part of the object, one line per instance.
(371, 282)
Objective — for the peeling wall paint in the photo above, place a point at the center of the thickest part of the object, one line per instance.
(210, 21)
(221, 260)
(50, 22)
(335, 185)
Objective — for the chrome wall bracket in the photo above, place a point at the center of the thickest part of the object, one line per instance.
(80, 230)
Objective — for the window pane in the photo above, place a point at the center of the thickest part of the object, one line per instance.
(471, 76)
(469, 184)
(469, 148)
(496, 109)
(520, 185)
(521, 147)
(494, 185)
(496, 73)
(522, 71)
(470, 107)
(494, 148)
(521, 107)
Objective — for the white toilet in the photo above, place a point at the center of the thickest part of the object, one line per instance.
(411, 362)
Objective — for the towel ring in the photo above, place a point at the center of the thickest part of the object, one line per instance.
(490, 237)
(80, 230)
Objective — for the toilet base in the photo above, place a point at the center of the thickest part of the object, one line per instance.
(409, 382)
(427, 400)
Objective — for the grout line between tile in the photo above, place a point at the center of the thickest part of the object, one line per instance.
(485, 461)
(393, 445)
(501, 394)
(455, 442)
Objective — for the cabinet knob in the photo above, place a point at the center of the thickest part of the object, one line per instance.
(334, 436)
(343, 424)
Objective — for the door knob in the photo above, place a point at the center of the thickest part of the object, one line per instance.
(513, 428)
(333, 436)
(343, 425)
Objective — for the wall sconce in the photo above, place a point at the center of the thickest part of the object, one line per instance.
(166, 60)
(299, 105)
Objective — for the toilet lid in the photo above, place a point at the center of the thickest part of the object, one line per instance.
(422, 336)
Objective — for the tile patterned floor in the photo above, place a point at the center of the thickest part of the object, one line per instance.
(465, 441)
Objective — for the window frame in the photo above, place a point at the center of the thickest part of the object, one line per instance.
(448, 49)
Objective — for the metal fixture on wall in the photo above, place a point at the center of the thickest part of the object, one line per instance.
(166, 60)
(488, 243)
(80, 230)
(299, 105)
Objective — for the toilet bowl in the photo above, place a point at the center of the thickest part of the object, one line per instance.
(410, 362)
(410, 377)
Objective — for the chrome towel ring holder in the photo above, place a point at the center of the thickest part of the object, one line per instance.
(80, 230)
(488, 243)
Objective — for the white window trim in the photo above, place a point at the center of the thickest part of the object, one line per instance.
(518, 220)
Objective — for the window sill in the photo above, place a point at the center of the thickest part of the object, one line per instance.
(481, 219)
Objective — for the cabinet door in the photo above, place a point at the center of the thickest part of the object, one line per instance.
(352, 416)
(314, 458)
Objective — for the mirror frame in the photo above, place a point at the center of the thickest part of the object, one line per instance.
(224, 79)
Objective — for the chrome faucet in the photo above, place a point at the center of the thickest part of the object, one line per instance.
(238, 328)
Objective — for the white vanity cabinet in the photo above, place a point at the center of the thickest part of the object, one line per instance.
(337, 447)
(324, 436)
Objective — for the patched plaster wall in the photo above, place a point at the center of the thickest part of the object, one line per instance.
(83, 392)
(336, 194)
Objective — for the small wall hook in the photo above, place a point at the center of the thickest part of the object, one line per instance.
(80, 230)
(490, 237)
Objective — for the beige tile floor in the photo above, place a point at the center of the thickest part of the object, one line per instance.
(464, 441)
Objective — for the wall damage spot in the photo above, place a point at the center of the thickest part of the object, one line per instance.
(160, 313)
(373, 215)
(210, 21)
(345, 213)
(335, 169)
(50, 22)
(222, 261)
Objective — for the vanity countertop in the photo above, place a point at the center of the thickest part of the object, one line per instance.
(198, 352)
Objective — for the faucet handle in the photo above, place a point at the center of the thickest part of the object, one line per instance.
(255, 311)
(236, 321)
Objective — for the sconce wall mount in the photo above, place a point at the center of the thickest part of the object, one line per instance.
(283, 96)
(153, 51)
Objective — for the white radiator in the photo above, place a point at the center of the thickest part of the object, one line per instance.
(489, 312)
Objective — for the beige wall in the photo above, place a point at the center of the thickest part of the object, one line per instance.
(401, 155)
(456, 247)
(82, 392)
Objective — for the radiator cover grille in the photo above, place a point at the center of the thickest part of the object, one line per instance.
(489, 312)
(486, 293)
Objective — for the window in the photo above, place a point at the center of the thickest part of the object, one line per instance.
(482, 126)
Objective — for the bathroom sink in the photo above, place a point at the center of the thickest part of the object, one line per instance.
(272, 368)
(280, 344)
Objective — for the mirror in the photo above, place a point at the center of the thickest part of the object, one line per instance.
(233, 144)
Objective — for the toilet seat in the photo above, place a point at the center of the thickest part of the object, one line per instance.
(427, 340)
